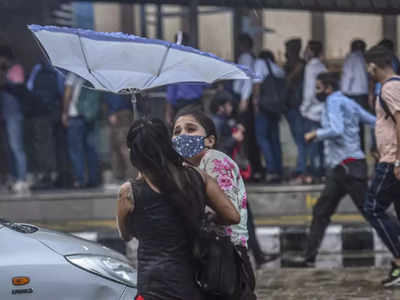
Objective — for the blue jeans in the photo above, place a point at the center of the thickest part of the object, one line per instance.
(296, 125)
(15, 136)
(268, 139)
(82, 148)
(384, 190)
(314, 150)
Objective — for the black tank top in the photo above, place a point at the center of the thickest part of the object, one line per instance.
(166, 266)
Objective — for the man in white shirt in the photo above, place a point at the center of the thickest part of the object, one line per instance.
(354, 81)
(311, 108)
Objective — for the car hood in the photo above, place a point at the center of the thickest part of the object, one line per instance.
(66, 244)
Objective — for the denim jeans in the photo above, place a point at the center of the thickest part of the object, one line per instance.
(82, 148)
(268, 139)
(384, 190)
(314, 150)
(296, 125)
(15, 136)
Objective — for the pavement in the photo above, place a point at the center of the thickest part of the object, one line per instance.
(324, 284)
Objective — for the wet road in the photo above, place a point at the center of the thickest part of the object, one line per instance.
(324, 284)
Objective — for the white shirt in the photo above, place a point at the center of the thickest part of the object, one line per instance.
(354, 80)
(311, 108)
(75, 82)
(261, 70)
(243, 87)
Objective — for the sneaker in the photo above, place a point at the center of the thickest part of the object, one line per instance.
(394, 276)
(21, 188)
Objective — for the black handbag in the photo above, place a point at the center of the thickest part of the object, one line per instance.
(218, 270)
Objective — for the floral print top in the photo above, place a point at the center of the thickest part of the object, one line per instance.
(221, 167)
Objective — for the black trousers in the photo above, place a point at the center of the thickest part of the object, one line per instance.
(350, 179)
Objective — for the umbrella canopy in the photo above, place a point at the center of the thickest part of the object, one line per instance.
(117, 61)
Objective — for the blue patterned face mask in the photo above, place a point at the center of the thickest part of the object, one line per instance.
(188, 145)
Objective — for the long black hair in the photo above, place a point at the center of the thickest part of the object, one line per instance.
(152, 153)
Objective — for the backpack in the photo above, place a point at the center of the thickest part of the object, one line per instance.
(89, 104)
(384, 104)
(46, 91)
(272, 94)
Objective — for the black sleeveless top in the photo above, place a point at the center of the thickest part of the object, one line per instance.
(166, 267)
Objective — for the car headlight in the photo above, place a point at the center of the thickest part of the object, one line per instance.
(107, 267)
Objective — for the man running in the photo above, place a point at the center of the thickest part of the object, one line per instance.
(340, 129)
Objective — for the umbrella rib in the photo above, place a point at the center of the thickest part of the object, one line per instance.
(86, 62)
(151, 80)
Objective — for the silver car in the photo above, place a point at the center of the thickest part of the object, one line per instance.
(37, 263)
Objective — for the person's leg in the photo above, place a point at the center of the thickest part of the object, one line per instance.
(315, 152)
(253, 150)
(93, 163)
(262, 132)
(275, 141)
(14, 126)
(63, 162)
(322, 213)
(254, 246)
(76, 135)
(356, 183)
(384, 190)
(296, 125)
(44, 148)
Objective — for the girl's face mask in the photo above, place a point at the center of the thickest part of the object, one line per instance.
(188, 145)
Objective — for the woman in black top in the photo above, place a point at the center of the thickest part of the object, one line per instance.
(162, 208)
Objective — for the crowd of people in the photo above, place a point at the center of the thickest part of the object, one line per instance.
(48, 128)
(248, 113)
(61, 114)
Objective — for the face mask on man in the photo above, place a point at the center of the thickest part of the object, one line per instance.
(321, 96)
(188, 145)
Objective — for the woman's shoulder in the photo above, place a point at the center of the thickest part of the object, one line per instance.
(216, 157)
(215, 154)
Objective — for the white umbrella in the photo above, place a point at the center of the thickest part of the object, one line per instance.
(117, 61)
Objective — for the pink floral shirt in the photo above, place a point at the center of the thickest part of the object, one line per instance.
(221, 167)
